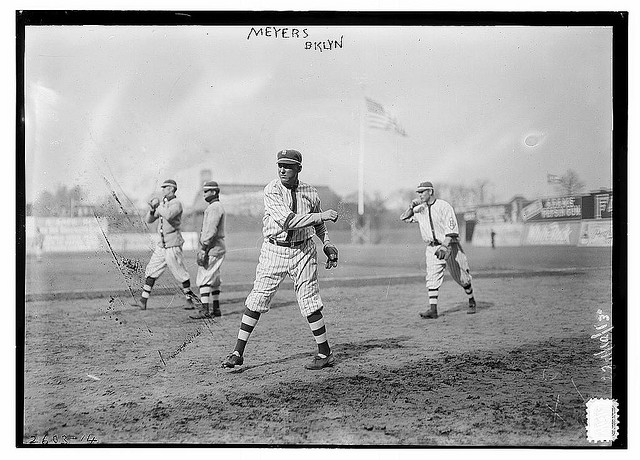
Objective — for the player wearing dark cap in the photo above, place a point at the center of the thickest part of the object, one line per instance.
(292, 215)
(211, 252)
(439, 230)
(168, 252)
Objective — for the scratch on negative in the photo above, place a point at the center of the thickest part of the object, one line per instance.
(161, 358)
(574, 386)
(113, 254)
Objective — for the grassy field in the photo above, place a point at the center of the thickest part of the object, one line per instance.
(517, 373)
(102, 271)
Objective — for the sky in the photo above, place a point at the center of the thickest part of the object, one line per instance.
(127, 107)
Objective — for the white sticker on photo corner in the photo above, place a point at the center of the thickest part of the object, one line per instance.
(602, 420)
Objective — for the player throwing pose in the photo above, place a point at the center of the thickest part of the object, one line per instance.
(211, 252)
(439, 229)
(292, 214)
(168, 252)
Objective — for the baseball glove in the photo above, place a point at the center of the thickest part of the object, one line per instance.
(332, 255)
(154, 203)
(202, 258)
(443, 252)
(409, 212)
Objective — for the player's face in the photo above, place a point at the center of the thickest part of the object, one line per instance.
(288, 173)
(424, 195)
(167, 191)
(208, 193)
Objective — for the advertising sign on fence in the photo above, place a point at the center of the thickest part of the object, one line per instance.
(598, 205)
(560, 208)
(552, 233)
(596, 233)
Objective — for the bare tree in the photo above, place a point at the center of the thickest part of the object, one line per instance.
(570, 183)
(60, 203)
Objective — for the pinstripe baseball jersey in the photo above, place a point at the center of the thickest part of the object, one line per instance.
(443, 217)
(282, 223)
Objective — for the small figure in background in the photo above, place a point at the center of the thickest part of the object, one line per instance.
(38, 243)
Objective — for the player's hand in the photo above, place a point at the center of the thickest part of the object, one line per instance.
(443, 252)
(415, 202)
(202, 258)
(332, 255)
(329, 215)
(154, 203)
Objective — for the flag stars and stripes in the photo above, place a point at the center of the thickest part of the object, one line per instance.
(378, 118)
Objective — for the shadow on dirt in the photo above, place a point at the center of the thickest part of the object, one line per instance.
(343, 352)
(463, 307)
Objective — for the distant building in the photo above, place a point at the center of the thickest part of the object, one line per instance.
(243, 204)
(248, 199)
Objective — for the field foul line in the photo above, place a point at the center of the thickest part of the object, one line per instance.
(333, 282)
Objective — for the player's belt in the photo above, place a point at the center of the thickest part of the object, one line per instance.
(435, 243)
(288, 244)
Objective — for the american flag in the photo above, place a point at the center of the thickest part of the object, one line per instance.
(553, 179)
(378, 118)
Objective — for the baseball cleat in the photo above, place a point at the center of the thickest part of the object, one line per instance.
(216, 312)
(200, 315)
(472, 307)
(140, 304)
(192, 301)
(319, 362)
(431, 314)
(233, 360)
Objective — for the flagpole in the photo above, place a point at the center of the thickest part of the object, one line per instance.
(361, 163)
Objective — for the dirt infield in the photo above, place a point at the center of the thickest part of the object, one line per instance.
(517, 373)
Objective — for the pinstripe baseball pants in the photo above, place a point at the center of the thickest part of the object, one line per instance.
(275, 263)
(457, 264)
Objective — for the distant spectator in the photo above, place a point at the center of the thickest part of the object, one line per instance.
(493, 239)
(38, 243)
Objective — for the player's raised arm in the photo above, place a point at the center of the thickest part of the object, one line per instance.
(282, 214)
(407, 216)
(170, 209)
(152, 215)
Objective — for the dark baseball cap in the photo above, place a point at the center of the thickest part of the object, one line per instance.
(424, 186)
(290, 157)
(210, 185)
(169, 183)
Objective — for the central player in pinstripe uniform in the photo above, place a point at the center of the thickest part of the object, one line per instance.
(292, 214)
(439, 229)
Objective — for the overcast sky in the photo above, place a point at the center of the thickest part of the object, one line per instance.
(136, 105)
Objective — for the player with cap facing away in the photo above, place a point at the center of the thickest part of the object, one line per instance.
(211, 252)
(439, 229)
(168, 252)
(292, 214)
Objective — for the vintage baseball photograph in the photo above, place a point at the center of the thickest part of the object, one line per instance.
(321, 229)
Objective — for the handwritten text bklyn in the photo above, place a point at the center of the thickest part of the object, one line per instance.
(295, 33)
